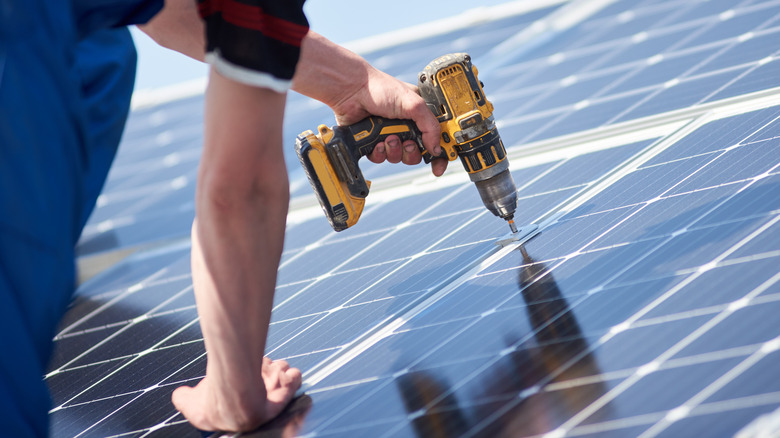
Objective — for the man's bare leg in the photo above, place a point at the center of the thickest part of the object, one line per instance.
(241, 205)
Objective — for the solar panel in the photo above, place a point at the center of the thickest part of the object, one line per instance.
(644, 142)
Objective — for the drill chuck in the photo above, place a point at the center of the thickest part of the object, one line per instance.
(499, 194)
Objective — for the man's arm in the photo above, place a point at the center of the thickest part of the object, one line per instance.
(237, 239)
(241, 206)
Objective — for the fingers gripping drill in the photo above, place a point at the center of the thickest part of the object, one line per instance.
(452, 91)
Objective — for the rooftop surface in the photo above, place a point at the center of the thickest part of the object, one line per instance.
(644, 139)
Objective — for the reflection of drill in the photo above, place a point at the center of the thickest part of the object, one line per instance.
(450, 87)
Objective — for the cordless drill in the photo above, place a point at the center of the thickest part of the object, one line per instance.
(452, 91)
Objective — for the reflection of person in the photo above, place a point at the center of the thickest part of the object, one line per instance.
(557, 339)
(550, 357)
(421, 389)
(65, 83)
(288, 424)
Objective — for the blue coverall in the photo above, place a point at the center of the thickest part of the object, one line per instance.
(66, 76)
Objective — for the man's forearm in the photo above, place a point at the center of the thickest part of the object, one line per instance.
(328, 72)
(241, 206)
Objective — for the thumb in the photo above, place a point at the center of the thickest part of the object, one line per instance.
(427, 124)
(438, 166)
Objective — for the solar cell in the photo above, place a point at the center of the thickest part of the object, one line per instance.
(762, 76)
(645, 306)
(741, 163)
(756, 198)
(570, 94)
(710, 290)
(707, 10)
(736, 22)
(584, 115)
(748, 48)
(687, 381)
(760, 247)
(677, 94)
(719, 417)
(717, 135)
(660, 70)
(645, 44)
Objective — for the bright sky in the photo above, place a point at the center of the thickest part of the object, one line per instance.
(339, 20)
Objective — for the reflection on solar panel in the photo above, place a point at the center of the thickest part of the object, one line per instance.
(644, 138)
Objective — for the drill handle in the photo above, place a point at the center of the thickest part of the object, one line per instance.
(367, 133)
(331, 158)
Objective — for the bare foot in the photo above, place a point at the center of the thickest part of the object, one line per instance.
(211, 406)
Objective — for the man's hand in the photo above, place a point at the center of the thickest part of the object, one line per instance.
(385, 94)
(208, 406)
(355, 90)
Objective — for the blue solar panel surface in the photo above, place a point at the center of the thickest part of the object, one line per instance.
(643, 140)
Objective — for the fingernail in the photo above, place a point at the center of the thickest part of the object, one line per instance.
(409, 148)
(437, 150)
(392, 143)
(380, 148)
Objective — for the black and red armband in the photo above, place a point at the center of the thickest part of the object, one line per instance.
(257, 42)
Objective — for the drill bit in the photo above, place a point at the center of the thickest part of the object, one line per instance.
(511, 222)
